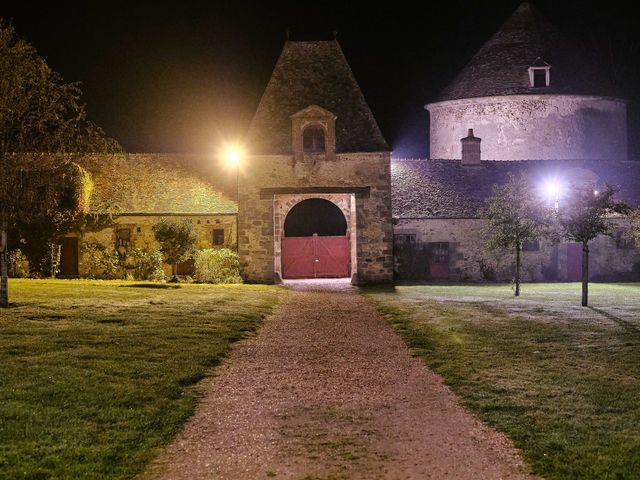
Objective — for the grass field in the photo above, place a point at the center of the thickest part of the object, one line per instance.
(562, 380)
(95, 375)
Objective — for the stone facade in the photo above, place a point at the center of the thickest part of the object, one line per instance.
(314, 136)
(141, 235)
(272, 184)
(611, 257)
(532, 127)
(283, 203)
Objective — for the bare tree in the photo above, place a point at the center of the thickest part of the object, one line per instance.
(584, 216)
(513, 217)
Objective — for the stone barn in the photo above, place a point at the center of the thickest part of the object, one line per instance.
(315, 189)
(139, 190)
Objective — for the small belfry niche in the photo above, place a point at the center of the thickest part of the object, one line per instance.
(313, 134)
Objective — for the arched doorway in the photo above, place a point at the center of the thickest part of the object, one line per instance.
(316, 241)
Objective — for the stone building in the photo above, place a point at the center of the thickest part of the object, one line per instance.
(141, 189)
(530, 95)
(315, 190)
(319, 195)
(438, 230)
(527, 102)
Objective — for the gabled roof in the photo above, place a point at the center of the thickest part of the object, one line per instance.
(447, 189)
(159, 183)
(501, 66)
(313, 73)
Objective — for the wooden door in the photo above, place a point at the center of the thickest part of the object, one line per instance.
(439, 261)
(332, 256)
(315, 257)
(69, 257)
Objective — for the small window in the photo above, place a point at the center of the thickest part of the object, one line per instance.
(405, 238)
(138, 230)
(440, 253)
(539, 74)
(531, 246)
(313, 139)
(539, 78)
(218, 236)
(123, 237)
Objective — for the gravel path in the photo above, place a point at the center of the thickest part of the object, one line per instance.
(327, 390)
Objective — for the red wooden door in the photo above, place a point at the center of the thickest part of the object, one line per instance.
(439, 263)
(315, 257)
(332, 256)
(574, 262)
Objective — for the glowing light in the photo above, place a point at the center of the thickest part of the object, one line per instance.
(552, 190)
(596, 192)
(233, 154)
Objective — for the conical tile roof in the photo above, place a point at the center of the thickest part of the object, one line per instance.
(527, 39)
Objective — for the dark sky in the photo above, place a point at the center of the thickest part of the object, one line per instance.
(184, 77)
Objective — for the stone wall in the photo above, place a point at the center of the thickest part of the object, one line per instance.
(283, 203)
(142, 235)
(267, 181)
(611, 258)
(532, 127)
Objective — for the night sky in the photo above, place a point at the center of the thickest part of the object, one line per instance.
(184, 78)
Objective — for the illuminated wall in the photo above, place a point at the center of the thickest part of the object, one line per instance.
(532, 127)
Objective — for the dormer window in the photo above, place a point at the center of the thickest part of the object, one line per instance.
(313, 139)
(313, 133)
(539, 76)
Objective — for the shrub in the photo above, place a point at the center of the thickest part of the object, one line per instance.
(18, 266)
(99, 262)
(487, 271)
(146, 264)
(217, 265)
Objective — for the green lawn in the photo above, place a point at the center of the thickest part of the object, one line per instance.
(95, 375)
(562, 380)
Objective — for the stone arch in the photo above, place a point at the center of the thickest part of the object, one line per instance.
(283, 204)
(315, 216)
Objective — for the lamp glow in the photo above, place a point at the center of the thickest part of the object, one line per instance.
(552, 190)
(233, 155)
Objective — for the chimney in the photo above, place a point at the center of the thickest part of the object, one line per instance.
(470, 149)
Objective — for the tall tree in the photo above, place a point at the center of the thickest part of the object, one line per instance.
(39, 113)
(514, 217)
(177, 241)
(583, 216)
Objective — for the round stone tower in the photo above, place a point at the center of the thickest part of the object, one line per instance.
(529, 95)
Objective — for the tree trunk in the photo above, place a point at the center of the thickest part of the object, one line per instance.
(174, 272)
(4, 274)
(585, 274)
(518, 248)
(4, 231)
